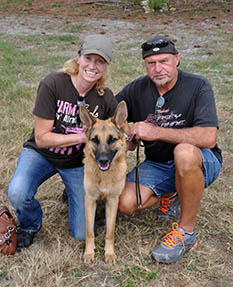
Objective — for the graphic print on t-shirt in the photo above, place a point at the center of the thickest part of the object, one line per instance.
(166, 119)
(66, 123)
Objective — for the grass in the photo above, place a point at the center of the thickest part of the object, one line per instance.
(55, 259)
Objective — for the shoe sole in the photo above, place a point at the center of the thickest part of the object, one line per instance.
(170, 262)
(164, 218)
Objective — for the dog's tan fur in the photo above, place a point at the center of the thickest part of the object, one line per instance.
(103, 135)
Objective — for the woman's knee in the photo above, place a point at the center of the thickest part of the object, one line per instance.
(16, 193)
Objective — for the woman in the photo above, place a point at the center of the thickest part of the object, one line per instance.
(57, 140)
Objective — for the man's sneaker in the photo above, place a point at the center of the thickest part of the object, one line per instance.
(24, 238)
(169, 208)
(174, 245)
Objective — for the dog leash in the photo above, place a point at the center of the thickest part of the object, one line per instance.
(138, 191)
(138, 143)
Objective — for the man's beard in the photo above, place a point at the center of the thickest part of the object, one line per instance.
(164, 79)
(162, 82)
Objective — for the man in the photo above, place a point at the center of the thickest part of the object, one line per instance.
(174, 114)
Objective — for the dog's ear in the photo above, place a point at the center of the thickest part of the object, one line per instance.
(120, 115)
(86, 118)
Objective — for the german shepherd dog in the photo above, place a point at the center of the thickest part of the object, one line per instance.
(104, 173)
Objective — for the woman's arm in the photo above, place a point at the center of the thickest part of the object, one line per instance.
(45, 138)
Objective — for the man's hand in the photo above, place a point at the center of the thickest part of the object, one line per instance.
(145, 131)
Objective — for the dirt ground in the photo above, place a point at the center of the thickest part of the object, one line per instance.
(120, 21)
(192, 12)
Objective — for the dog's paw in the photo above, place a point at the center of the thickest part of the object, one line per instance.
(110, 258)
(88, 257)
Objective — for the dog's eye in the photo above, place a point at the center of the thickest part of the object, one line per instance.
(95, 140)
(111, 139)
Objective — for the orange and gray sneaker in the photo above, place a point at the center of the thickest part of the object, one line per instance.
(169, 208)
(174, 245)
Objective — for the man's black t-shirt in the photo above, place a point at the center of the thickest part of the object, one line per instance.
(189, 103)
(58, 100)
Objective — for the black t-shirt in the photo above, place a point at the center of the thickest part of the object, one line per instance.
(189, 103)
(58, 100)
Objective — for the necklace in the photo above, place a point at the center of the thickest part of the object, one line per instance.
(85, 89)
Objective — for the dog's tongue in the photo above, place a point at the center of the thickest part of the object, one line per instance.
(104, 166)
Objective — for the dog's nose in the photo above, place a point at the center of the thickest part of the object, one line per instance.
(103, 157)
(103, 161)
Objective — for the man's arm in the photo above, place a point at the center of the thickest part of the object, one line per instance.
(203, 137)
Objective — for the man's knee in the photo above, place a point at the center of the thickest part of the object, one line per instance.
(126, 203)
(187, 157)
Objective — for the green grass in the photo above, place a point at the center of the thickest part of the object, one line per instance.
(136, 276)
(24, 61)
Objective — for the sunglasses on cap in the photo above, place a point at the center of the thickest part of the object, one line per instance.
(156, 44)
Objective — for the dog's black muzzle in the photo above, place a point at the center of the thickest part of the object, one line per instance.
(104, 159)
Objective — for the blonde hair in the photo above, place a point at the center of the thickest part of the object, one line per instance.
(71, 67)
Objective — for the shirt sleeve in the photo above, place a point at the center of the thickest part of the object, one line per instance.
(205, 109)
(112, 105)
(126, 94)
(45, 105)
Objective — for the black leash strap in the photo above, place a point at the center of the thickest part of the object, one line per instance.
(138, 192)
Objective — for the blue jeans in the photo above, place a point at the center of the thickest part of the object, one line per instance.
(31, 171)
(160, 177)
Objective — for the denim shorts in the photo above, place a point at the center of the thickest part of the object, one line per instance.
(160, 177)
